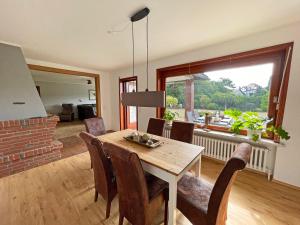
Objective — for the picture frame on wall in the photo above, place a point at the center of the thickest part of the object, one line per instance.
(92, 95)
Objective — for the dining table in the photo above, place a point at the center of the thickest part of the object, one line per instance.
(169, 161)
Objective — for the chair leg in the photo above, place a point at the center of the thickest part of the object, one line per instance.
(91, 165)
(166, 212)
(96, 195)
(121, 219)
(108, 204)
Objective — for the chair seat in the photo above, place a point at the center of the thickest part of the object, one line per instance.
(192, 198)
(204, 204)
(155, 185)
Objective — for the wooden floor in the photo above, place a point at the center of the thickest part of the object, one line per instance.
(62, 193)
(68, 129)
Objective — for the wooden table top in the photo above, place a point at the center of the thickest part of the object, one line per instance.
(172, 156)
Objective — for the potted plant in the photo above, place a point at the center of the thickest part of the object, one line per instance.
(169, 116)
(238, 123)
(254, 125)
(248, 120)
(207, 119)
(279, 132)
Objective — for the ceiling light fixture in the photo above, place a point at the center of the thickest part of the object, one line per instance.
(143, 98)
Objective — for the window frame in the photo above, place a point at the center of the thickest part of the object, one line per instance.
(277, 54)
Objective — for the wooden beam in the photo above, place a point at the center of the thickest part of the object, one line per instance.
(98, 96)
(61, 71)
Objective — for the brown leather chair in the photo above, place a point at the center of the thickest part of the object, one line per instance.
(67, 113)
(205, 204)
(105, 182)
(87, 138)
(182, 131)
(95, 126)
(156, 126)
(140, 196)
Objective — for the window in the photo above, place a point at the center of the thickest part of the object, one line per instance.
(243, 88)
(251, 81)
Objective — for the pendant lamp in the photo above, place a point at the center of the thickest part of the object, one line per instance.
(143, 98)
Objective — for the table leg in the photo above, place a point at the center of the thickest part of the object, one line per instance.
(172, 205)
(172, 180)
(198, 167)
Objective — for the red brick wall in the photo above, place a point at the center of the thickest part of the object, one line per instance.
(28, 143)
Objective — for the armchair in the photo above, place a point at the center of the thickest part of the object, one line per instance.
(67, 113)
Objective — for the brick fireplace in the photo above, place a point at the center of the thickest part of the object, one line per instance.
(27, 143)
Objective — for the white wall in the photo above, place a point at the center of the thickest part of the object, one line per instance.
(105, 84)
(106, 104)
(16, 85)
(53, 95)
(287, 167)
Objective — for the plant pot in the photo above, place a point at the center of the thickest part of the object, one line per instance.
(283, 142)
(169, 122)
(252, 133)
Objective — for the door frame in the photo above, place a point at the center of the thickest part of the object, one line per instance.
(74, 73)
(121, 108)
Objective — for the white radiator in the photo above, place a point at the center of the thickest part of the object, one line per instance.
(261, 159)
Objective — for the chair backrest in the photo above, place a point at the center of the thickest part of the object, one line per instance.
(95, 126)
(102, 170)
(131, 183)
(217, 206)
(182, 131)
(156, 126)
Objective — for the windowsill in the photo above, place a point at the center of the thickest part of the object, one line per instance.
(233, 137)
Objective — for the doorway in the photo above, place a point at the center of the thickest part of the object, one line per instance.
(57, 71)
(75, 93)
(128, 114)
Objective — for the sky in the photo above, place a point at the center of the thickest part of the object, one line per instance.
(259, 74)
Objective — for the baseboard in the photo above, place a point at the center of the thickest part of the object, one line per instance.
(246, 169)
(286, 184)
(257, 172)
(110, 131)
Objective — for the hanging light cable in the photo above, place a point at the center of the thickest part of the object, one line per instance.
(147, 41)
(132, 36)
(143, 98)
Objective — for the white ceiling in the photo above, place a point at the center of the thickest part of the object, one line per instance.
(74, 32)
